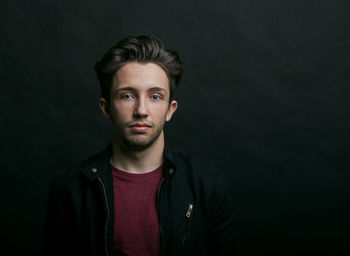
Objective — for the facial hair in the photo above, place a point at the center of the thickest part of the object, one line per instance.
(133, 141)
(137, 144)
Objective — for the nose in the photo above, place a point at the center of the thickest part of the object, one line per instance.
(141, 108)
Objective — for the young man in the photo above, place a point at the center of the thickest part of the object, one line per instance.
(137, 197)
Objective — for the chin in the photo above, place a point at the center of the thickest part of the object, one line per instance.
(138, 147)
(140, 142)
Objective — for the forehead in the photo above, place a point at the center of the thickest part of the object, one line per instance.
(140, 76)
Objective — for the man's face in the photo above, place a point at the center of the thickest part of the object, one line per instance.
(139, 105)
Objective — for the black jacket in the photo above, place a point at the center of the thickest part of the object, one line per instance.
(194, 209)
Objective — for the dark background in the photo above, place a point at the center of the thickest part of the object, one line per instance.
(264, 97)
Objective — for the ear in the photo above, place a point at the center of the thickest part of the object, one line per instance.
(171, 110)
(104, 106)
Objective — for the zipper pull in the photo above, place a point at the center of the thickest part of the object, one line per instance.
(189, 211)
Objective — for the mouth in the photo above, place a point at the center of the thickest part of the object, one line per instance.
(140, 127)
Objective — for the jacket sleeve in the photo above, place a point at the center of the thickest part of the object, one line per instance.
(220, 226)
(58, 227)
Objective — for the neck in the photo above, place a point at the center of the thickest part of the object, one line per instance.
(138, 161)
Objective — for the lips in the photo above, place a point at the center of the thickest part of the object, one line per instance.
(140, 127)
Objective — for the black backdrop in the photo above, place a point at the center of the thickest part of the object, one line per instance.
(264, 97)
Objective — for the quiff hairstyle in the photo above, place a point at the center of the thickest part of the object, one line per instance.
(141, 49)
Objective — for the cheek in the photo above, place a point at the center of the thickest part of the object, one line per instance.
(122, 110)
(160, 113)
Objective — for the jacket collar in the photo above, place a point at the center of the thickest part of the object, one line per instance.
(169, 166)
(99, 165)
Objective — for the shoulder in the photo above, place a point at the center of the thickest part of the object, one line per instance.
(198, 171)
(86, 167)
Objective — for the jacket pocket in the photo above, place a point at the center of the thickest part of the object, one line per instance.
(188, 217)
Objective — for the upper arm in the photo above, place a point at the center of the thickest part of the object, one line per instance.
(220, 221)
(58, 231)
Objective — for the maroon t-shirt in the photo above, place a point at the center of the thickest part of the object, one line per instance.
(136, 226)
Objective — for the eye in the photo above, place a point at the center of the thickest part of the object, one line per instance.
(156, 97)
(126, 96)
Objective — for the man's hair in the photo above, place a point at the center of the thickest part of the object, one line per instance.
(141, 49)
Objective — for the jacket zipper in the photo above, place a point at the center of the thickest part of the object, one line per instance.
(107, 212)
(159, 218)
(188, 216)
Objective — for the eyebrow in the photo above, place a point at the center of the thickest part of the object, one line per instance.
(131, 89)
(155, 89)
(128, 89)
